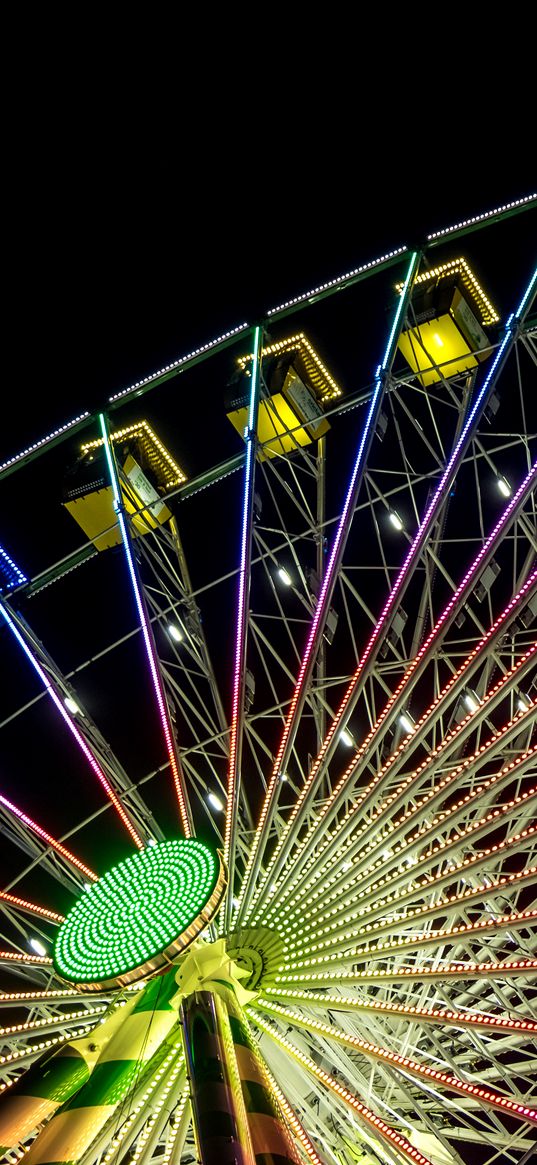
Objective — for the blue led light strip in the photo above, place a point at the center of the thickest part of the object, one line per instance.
(330, 573)
(414, 550)
(9, 568)
(235, 742)
(146, 632)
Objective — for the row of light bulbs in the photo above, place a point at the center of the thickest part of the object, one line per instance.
(340, 717)
(469, 970)
(472, 658)
(437, 1014)
(506, 772)
(365, 1113)
(421, 938)
(405, 1063)
(357, 802)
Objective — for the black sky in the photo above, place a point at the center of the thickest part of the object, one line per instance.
(127, 246)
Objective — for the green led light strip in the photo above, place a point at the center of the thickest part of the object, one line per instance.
(140, 915)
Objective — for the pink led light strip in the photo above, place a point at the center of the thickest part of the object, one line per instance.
(438, 790)
(433, 634)
(144, 624)
(328, 580)
(72, 728)
(31, 907)
(442, 1015)
(404, 745)
(453, 1083)
(157, 685)
(494, 817)
(388, 804)
(414, 550)
(46, 837)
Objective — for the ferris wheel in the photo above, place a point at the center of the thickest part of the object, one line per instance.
(269, 737)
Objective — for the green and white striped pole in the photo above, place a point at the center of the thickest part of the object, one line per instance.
(53, 1079)
(271, 1138)
(236, 1113)
(71, 1131)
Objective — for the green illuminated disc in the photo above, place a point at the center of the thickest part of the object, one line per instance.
(142, 913)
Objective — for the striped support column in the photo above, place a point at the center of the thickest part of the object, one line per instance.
(52, 1080)
(71, 1131)
(237, 1118)
(271, 1139)
(220, 1124)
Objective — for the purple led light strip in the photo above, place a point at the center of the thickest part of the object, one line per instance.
(240, 636)
(46, 837)
(72, 728)
(157, 685)
(417, 544)
(335, 554)
(433, 635)
(414, 550)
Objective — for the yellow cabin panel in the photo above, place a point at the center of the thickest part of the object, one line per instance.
(96, 516)
(436, 342)
(94, 513)
(279, 429)
(448, 338)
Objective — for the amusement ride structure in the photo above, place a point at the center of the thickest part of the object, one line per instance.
(269, 737)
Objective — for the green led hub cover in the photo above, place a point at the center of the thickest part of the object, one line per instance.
(140, 915)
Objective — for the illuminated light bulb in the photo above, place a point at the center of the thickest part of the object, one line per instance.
(523, 702)
(471, 701)
(284, 576)
(407, 722)
(283, 777)
(215, 801)
(438, 340)
(504, 487)
(38, 947)
(71, 705)
(175, 632)
(346, 738)
(395, 520)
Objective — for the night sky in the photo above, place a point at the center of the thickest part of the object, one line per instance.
(127, 253)
(124, 250)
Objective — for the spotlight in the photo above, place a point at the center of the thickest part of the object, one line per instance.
(38, 946)
(284, 576)
(471, 700)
